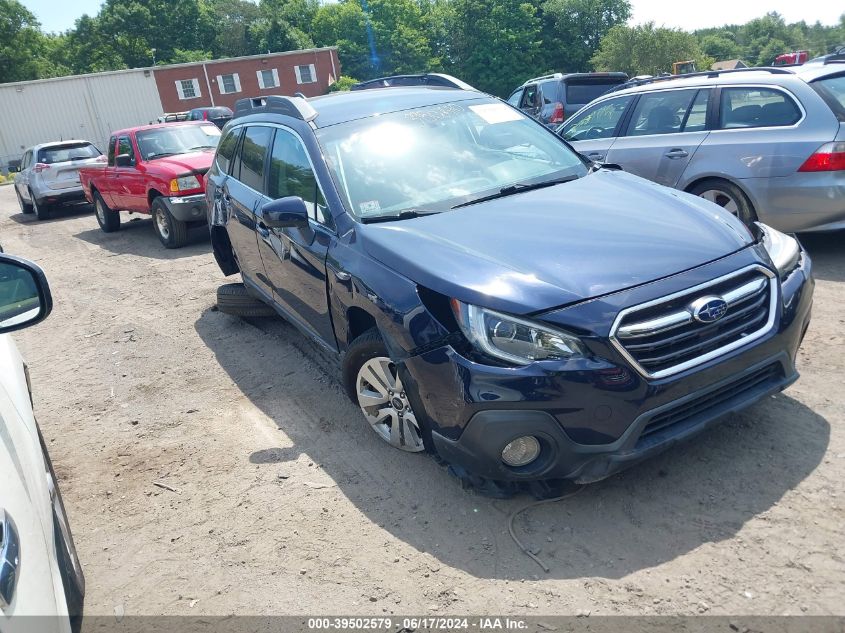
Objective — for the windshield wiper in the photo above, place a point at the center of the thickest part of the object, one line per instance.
(201, 147)
(402, 215)
(517, 188)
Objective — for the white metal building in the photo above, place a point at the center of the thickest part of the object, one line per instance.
(83, 106)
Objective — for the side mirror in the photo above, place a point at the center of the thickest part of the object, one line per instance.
(289, 212)
(25, 297)
(123, 160)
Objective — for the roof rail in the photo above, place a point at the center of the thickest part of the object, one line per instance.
(631, 83)
(544, 77)
(296, 107)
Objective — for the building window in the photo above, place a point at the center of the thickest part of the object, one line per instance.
(267, 78)
(228, 84)
(305, 74)
(188, 89)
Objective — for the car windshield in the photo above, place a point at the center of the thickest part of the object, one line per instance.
(430, 159)
(66, 153)
(176, 139)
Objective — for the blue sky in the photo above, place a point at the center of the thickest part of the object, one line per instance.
(60, 15)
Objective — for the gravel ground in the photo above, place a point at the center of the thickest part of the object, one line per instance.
(285, 502)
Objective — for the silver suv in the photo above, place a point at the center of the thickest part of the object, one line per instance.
(49, 175)
(767, 144)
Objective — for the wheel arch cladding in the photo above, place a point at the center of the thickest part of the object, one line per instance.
(223, 252)
(152, 194)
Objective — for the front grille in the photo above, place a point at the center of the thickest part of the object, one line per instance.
(689, 410)
(662, 337)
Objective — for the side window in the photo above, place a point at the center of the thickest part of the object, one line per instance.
(253, 156)
(697, 115)
(660, 112)
(112, 143)
(25, 160)
(599, 121)
(291, 175)
(529, 97)
(756, 107)
(548, 91)
(124, 146)
(514, 98)
(226, 150)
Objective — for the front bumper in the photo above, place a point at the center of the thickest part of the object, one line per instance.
(188, 208)
(600, 416)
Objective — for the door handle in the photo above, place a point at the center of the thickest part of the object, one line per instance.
(677, 153)
(10, 558)
(342, 275)
(595, 156)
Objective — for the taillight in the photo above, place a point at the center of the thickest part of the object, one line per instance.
(557, 115)
(39, 167)
(205, 115)
(829, 157)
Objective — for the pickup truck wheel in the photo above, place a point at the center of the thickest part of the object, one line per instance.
(373, 382)
(173, 233)
(42, 209)
(108, 220)
(25, 207)
(236, 300)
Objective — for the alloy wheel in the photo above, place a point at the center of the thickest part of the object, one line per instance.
(721, 198)
(162, 225)
(385, 404)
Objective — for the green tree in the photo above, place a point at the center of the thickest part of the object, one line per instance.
(284, 24)
(721, 46)
(496, 43)
(343, 24)
(233, 21)
(573, 29)
(22, 44)
(646, 49)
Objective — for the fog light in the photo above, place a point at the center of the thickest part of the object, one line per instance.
(522, 451)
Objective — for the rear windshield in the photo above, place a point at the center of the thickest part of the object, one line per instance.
(66, 153)
(582, 90)
(832, 90)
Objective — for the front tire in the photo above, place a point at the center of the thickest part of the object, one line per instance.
(236, 300)
(108, 220)
(728, 196)
(42, 209)
(171, 232)
(373, 382)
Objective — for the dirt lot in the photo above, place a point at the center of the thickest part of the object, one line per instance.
(286, 502)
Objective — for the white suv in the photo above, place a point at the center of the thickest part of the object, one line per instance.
(39, 570)
(49, 175)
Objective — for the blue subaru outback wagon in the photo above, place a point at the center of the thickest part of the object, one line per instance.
(495, 298)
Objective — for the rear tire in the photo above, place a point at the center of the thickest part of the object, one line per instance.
(728, 196)
(25, 207)
(236, 300)
(108, 220)
(172, 233)
(42, 209)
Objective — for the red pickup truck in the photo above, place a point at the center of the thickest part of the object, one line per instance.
(158, 170)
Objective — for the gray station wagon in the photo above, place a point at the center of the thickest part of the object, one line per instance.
(766, 144)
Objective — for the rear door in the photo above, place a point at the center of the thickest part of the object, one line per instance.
(295, 259)
(63, 163)
(22, 177)
(593, 131)
(243, 192)
(530, 100)
(663, 134)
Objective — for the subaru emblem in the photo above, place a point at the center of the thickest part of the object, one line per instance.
(708, 309)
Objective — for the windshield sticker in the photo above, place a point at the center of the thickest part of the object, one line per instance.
(369, 206)
(496, 112)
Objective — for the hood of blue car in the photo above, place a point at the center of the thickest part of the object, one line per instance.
(542, 249)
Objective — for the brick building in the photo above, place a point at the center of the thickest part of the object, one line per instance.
(224, 81)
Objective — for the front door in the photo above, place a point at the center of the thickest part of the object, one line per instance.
(665, 131)
(127, 184)
(593, 131)
(295, 259)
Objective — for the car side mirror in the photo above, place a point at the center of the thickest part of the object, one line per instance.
(123, 160)
(25, 297)
(289, 212)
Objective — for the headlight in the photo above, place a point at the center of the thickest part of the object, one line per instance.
(185, 183)
(513, 339)
(783, 249)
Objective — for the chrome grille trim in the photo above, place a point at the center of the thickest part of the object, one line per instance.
(677, 319)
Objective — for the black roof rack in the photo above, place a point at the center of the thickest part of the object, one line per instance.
(296, 107)
(774, 70)
(441, 80)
